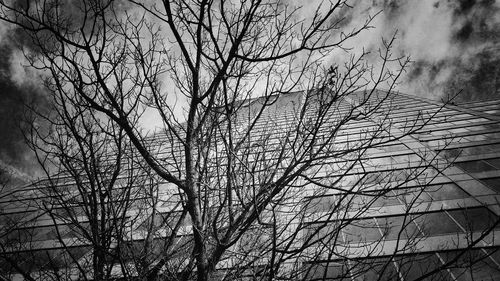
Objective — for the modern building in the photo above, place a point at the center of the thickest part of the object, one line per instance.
(420, 231)
(408, 190)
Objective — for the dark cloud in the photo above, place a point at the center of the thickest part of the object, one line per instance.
(475, 68)
(16, 90)
(464, 6)
(21, 86)
(11, 108)
(464, 33)
(477, 80)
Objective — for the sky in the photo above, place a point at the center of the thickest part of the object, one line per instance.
(454, 46)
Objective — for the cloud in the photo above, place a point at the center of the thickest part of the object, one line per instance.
(18, 86)
(453, 44)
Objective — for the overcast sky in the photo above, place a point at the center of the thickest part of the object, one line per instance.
(454, 46)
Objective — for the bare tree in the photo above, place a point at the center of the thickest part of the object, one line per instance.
(255, 132)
